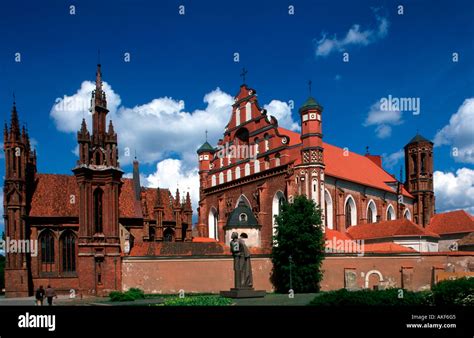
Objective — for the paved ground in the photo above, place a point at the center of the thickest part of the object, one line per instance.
(268, 300)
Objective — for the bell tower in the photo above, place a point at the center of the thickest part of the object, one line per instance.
(20, 169)
(310, 172)
(98, 176)
(419, 178)
(205, 153)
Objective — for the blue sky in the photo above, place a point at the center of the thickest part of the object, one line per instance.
(190, 57)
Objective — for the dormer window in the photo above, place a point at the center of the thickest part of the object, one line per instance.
(243, 217)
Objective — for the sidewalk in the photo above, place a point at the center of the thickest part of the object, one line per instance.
(61, 300)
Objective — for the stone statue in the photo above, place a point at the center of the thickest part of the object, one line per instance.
(242, 267)
(243, 280)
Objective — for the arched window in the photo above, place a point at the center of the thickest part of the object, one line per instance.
(229, 175)
(371, 212)
(213, 180)
(315, 191)
(98, 196)
(237, 116)
(237, 173)
(423, 162)
(257, 150)
(248, 111)
(350, 212)
(47, 251)
(151, 233)
(168, 235)
(407, 214)
(267, 142)
(256, 166)
(415, 164)
(329, 210)
(247, 169)
(267, 163)
(221, 178)
(277, 160)
(390, 213)
(278, 200)
(68, 252)
(97, 157)
(212, 223)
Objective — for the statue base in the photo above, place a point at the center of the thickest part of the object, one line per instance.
(243, 293)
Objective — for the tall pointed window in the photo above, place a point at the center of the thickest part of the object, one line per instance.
(68, 252)
(98, 196)
(47, 251)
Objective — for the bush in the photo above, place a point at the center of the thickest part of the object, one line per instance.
(198, 301)
(130, 295)
(454, 292)
(389, 297)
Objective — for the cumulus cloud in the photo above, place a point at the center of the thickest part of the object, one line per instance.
(454, 190)
(382, 119)
(459, 133)
(355, 36)
(391, 160)
(68, 111)
(282, 112)
(161, 128)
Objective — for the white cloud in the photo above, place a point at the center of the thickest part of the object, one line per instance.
(459, 133)
(282, 112)
(355, 36)
(382, 119)
(68, 111)
(170, 173)
(454, 191)
(391, 160)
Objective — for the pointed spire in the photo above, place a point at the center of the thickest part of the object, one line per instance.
(159, 200)
(15, 124)
(5, 133)
(83, 127)
(187, 203)
(98, 78)
(177, 198)
(112, 131)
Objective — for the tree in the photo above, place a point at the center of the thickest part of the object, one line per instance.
(299, 235)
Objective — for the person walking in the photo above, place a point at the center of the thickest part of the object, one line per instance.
(50, 293)
(39, 295)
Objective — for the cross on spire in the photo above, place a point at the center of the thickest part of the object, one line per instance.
(309, 86)
(206, 135)
(244, 72)
(14, 99)
(367, 150)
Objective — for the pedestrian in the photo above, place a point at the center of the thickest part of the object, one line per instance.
(39, 296)
(50, 293)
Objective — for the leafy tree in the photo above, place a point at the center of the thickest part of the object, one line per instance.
(299, 236)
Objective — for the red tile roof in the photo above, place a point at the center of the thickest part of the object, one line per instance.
(150, 196)
(452, 222)
(53, 195)
(396, 228)
(353, 167)
(386, 248)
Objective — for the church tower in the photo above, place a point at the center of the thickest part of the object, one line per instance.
(98, 176)
(419, 178)
(20, 168)
(205, 154)
(310, 172)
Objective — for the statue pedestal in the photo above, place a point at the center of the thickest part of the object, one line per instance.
(243, 293)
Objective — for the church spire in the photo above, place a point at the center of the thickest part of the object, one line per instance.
(15, 124)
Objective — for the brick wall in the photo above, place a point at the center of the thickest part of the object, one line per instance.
(213, 274)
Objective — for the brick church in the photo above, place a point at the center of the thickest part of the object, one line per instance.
(83, 222)
(258, 164)
(98, 231)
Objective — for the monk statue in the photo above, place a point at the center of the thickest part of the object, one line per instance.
(242, 267)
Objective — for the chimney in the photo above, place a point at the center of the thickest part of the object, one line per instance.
(377, 159)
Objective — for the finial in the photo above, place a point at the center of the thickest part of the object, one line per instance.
(244, 72)
(14, 99)
(206, 135)
(367, 150)
(309, 86)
